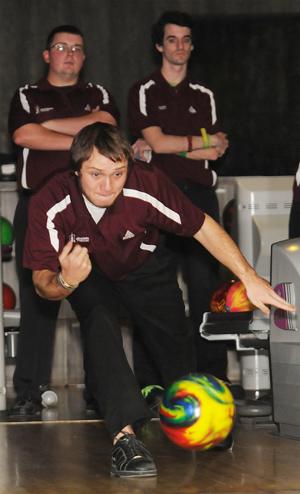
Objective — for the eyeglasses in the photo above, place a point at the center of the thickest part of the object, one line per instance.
(65, 48)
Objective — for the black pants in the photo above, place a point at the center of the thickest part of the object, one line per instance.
(38, 321)
(201, 274)
(294, 220)
(153, 300)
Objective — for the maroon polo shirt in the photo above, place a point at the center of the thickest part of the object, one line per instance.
(37, 103)
(126, 235)
(181, 110)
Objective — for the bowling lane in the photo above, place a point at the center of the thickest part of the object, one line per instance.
(72, 456)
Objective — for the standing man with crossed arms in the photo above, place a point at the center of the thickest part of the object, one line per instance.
(176, 115)
(43, 119)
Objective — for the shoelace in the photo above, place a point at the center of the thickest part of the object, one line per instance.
(133, 445)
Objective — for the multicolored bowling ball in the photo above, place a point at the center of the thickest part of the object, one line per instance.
(6, 231)
(197, 412)
(218, 300)
(9, 297)
(237, 299)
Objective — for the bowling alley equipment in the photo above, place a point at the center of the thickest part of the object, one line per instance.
(285, 338)
(250, 332)
(263, 207)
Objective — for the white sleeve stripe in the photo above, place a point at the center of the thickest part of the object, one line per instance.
(142, 96)
(23, 99)
(51, 213)
(143, 196)
(212, 99)
(24, 183)
(104, 94)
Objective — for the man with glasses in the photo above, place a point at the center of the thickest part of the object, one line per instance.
(43, 119)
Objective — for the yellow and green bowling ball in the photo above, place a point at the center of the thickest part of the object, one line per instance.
(197, 412)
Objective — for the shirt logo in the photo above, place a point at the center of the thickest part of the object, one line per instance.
(128, 235)
(79, 240)
(41, 110)
(90, 109)
(162, 107)
(192, 109)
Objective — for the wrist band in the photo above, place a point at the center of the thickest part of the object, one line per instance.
(205, 138)
(190, 143)
(61, 282)
(183, 154)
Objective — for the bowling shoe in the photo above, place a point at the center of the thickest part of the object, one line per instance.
(25, 408)
(130, 458)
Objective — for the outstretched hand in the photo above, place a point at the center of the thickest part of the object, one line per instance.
(75, 263)
(262, 295)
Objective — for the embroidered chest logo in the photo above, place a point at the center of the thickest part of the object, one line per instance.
(90, 109)
(128, 235)
(42, 110)
(162, 107)
(192, 109)
(78, 240)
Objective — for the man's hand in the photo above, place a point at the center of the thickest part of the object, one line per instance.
(75, 263)
(261, 294)
(141, 150)
(220, 142)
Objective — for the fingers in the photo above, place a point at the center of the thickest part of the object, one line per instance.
(75, 263)
(66, 250)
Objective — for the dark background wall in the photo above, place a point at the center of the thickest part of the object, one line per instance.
(246, 50)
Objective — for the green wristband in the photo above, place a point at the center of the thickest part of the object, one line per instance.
(183, 154)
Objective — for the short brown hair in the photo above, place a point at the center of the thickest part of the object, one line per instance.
(106, 138)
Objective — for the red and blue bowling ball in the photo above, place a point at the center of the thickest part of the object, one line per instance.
(197, 412)
(237, 299)
(218, 300)
(9, 297)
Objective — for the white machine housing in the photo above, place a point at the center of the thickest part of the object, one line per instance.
(263, 209)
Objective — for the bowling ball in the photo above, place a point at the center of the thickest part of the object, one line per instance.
(237, 299)
(218, 300)
(9, 297)
(197, 412)
(6, 252)
(6, 231)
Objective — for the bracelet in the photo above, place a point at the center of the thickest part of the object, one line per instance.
(190, 143)
(205, 138)
(183, 154)
(61, 282)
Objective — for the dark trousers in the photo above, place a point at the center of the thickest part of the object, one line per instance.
(153, 300)
(294, 220)
(201, 274)
(38, 321)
